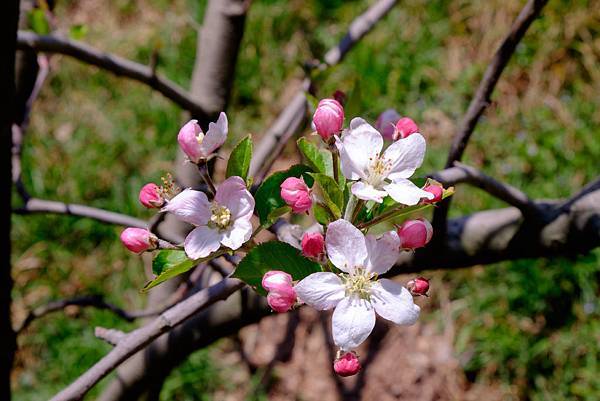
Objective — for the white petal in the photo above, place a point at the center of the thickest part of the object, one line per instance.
(360, 146)
(383, 252)
(233, 194)
(405, 192)
(216, 135)
(201, 242)
(393, 302)
(353, 320)
(406, 156)
(365, 191)
(237, 234)
(190, 206)
(345, 244)
(321, 290)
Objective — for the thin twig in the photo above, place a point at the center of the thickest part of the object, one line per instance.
(111, 336)
(113, 63)
(139, 338)
(34, 205)
(481, 100)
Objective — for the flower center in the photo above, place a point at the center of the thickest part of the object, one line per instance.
(200, 137)
(378, 170)
(220, 217)
(359, 283)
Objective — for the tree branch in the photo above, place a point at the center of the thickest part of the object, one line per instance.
(481, 100)
(293, 115)
(139, 338)
(95, 301)
(111, 336)
(117, 65)
(34, 205)
(461, 173)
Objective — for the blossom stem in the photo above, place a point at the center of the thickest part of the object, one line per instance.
(203, 170)
(336, 161)
(391, 214)
(357, 209)
(350, 208)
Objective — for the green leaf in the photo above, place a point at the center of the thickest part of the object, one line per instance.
(239, 160)
(332, 195)
(273, 255)
(168, 264)
(319, 159)
(166, 259)
(38, 21)
(277, 213)
(322, 214)
(268, 196)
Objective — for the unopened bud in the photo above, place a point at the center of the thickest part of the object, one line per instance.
(405, 127)
(328, 118)
(313, 245)
(138, 239)
(151, 196)
(282, 300)
(436, 190)
(415, 234)
(386, 123)
(347, 364)
(275, 280)
(418, 286)
(296, 194)
(340, 96)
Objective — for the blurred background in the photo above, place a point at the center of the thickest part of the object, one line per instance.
(517, 330)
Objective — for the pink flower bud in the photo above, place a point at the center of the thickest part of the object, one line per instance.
(347, 365)
(282, 300)
(418, 286)
(138, 239)
(328, 118)
(386, 123)
(405, 127)
(415, 234)
(276, 280)
(313, 245)
(151, 197)
(296, 194)
(190, 139)
(436, 190)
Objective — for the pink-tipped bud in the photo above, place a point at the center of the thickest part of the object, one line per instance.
(418, 286)
(296, 194)
(313, 245)
(436, 190)
(347, 365)
(276, 280)
(138, 239)
(415, 234)
(151, 196)
(190, 139)
(386, 123)
(282, 300)
(328, 118)
(405, 127)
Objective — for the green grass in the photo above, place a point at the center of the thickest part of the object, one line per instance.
(95, 139)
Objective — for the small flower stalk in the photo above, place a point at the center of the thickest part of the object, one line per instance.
(296, 194)
(418, 286)
(328, 118)
(346, 364)
(281, 295)
(139, 240)
(199, 146)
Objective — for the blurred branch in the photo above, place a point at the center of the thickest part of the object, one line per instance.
(95, 301)
(481, 100)
(139, 338)
(111, 336)
(117, 65)
(461, 173)
(294, 114)
(34, 205)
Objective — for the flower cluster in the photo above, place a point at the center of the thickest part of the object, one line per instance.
(355, 185)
